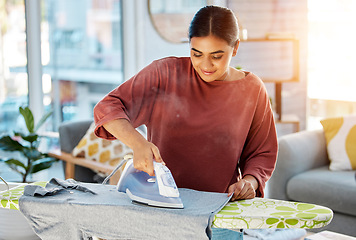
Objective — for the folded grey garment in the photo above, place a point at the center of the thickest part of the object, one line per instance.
(274, 234)
(54, 186)
(109, 214)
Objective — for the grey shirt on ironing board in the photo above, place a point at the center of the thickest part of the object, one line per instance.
(73, 210)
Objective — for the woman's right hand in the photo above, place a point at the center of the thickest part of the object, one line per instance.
(143, 156)
(145, 152)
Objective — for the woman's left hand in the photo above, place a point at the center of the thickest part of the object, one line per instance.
(245, 188)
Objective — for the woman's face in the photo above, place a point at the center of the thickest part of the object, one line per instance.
(211, 57)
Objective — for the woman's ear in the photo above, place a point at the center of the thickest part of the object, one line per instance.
(234, 52)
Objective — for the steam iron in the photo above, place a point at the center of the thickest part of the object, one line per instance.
(158, 191)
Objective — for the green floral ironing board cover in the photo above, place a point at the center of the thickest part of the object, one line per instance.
(254, 213)
(265, 213)
(10, 199)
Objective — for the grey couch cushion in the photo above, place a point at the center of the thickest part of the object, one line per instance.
(333, 189)
(70, 133)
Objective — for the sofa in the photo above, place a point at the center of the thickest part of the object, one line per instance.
(70, 133)
(302, 174)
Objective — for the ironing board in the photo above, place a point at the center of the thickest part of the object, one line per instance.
(257, 213)
(263, 213)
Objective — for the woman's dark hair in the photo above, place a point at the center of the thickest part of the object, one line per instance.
(218, 21)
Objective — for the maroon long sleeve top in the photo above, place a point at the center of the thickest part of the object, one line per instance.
(204, 131)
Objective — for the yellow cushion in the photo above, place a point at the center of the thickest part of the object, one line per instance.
(101, 150)
(340, 136)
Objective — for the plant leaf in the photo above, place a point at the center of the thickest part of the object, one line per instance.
(8, 144)
(33, 153)
(43, 120)
(14, 162)
(42, 164)
(28, 116)
(29, 138)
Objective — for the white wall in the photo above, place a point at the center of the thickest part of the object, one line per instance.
(152, 46)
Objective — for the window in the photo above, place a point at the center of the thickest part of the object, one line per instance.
(13, 60)
(332, 50)
(331, 60)
(81, 52)
(81, 55)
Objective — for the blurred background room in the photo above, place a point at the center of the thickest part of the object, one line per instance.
(66, 55)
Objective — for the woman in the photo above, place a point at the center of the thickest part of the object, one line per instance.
(205, 120)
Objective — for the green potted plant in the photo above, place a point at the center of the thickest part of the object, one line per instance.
(27, 144)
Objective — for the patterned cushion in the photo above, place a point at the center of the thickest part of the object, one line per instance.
(340, 135)
(101, 150)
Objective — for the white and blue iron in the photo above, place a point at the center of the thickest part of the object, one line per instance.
(158, 191)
